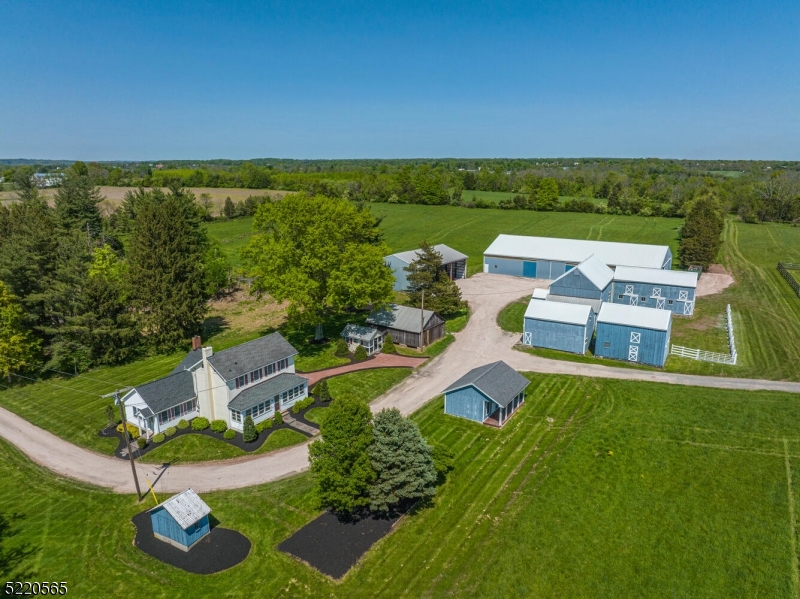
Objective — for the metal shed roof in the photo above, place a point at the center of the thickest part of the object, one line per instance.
(244, 358)
(579, 301)
(676, 278)
(577, 250)
(402, 318)
(540, 294)
(357, 331)
(252, 396)
(558, 312)
(497, 381)
(635, 316)
(593, 269)
(187, 508)
(168, 391)
(448, 254)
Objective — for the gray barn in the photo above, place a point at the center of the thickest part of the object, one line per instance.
(489, 394)
(454, 263)
(672, 290)
(556, 325)
(633, 333)
(404, 323)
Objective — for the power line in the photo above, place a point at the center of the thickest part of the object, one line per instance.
(54, 385)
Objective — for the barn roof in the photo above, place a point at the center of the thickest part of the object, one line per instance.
(244, 358)
(577, 250)
(402, 318)
(558, 312)
(676, 278)
(540, 294)
(593, 269)
(357, 331)
(580, 301)
(635, 316)
(497, 381)
(448, 254)
(168, 391)
(186, 508)
(252, 396)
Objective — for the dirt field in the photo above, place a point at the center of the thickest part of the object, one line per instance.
(714, 280)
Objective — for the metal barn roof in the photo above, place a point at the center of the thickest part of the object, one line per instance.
(558, 312)
(593, 269)
(577, 250)
(580, 301)
(167, 391)
(540, 294)
(402, 318)
(448, 254)
(497, 381)
(357, 331)
(676, 278)
(634, 316)
(187, 508)
(244, 358)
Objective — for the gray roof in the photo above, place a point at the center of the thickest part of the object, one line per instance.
(401, 318)
(256, 394)
(247, 357)
(448, 254)
(361, 332)
(497, 381)
(654, 276)
(169, 391)
(580, 301)
(187, 508)
(192, 358)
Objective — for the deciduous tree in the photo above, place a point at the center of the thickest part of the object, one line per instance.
(547, 195)
(18, 349)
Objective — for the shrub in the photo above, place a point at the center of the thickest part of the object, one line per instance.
(249, 434)
(321, 391)
(170, 431)
(263, 425)
(388, 345)
(159, 438)
(183, 424)
(200, 423)
(278, 419)
(132, 430)
(219, 426)
(341, 350)
(229, 434)
(361, 354)
(302, 405)
(141, 442)
(111, 415)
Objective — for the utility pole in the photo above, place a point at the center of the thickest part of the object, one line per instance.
(126, 436)
(422, 323)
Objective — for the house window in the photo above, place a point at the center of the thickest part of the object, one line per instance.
(669, 302)
(241, 381)
(607, 344)
(255, 375)
(236, 416)
(636, 337)
(177, 411)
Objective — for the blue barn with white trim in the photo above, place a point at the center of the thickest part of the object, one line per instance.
(672, 290)
(591, 279)
(557, 325)
(633, 334)
(489, 394)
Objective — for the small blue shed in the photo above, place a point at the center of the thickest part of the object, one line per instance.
(557, 325)
(633, 333)
(454, 264)
(489, 394)
(591, 279)
(672, 290)
(181, 520)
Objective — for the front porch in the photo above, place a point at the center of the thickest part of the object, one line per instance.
(500, 416)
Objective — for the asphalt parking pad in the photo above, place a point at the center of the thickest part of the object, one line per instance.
(219, 550)
(333, 546)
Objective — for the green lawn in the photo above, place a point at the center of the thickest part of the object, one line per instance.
(602, 489)
(316, 414)
(366, 385)
(232, 235)
(511, 317)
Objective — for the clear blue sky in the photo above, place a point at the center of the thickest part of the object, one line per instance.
(157, 80)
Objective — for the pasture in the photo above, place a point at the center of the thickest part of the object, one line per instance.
(596, 488)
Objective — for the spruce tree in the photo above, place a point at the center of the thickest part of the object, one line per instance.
(426, 274)
(701, 235)
(401, 459)
(249, 432)
(339, 460)
(76, 203)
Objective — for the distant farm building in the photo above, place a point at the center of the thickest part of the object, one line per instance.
(489, 394)
(408, 326)
(549, 258)
(182, 520)
(633, 334)
(369, 338)
(672, 290)
(557, 325)
(454, 263)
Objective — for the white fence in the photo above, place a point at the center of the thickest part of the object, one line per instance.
(710, 356)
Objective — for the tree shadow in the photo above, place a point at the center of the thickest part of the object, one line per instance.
(11, 558)
(214, 325)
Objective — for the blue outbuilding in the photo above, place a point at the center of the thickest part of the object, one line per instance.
(672, 290)
(633, 334)
(591, 279)
(558, 325)
(454, 264)
(489, 394)
(182, 520)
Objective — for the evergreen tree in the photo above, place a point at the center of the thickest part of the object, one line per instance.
(76, 203)
(426, 274)
(249, 432)
(167, 277)
(547, 195)
(18, 349)
(701, 235)
(229, 210)
(401, 459)
(322, 391)
(388, 345)
(339, 460)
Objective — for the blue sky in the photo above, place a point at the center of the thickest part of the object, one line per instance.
(158, 80)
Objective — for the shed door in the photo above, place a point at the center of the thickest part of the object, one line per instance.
(660, 304)
(687, 308)
(634, 300)
(527, 338)
(633, 353)
(529, 269)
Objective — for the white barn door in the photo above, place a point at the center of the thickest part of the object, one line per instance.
(527, 338)
(660, 304)
(687, 308)
(634, 300)
(633, 353)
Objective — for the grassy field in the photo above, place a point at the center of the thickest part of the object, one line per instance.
(603, 489)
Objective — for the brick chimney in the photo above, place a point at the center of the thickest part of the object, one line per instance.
(196, 342)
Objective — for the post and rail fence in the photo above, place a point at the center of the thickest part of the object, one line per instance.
(710, 356)
(784, 268)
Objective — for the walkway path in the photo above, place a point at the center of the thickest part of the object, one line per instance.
(480, 342)
(379, 361)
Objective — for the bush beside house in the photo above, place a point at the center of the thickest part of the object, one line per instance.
(249, 433)
(200, 423)
(219, 426)
(229, 434)
(360, 354)
(341, 350)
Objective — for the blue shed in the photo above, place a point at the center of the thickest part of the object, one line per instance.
(591, 279)
(489, 394)
(672, 290)
(633, 333)
(557, 325)
(454, 264)
(181, 520)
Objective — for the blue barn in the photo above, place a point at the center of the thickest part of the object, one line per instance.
(181, 520)
(557, 325)
(633, 333)
(591, 279)
(672, 290)
(454, 264)
(489, 394)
